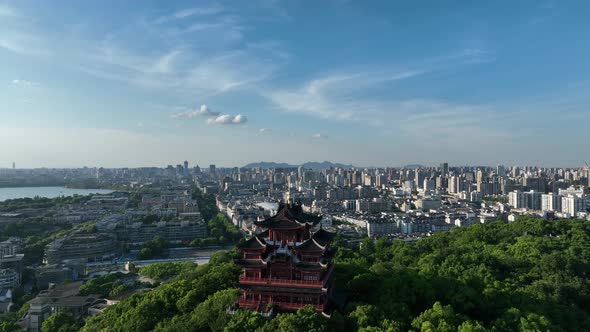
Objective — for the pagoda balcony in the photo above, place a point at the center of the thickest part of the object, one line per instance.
(283, 305)
(281, 282)
(287, 282)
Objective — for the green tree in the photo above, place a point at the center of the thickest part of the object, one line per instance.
(305, 320)
(60, 322)
(437, 319)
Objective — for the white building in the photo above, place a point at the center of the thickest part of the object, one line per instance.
(550, 202)
(572, 205)
(516, 199)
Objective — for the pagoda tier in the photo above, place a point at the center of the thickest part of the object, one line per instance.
(287, 264)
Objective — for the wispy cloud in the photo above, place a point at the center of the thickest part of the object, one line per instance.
(319, 136)
(189, 12)
(24, 82)
(343, 95)
(227, 119)
(204, 72)
(330, 96)
(264, 130)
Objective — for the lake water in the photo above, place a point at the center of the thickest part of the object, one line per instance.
(49, 192)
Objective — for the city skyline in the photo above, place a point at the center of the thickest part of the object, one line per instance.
(115, 85)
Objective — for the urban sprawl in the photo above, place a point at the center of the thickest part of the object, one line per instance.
(154, 210)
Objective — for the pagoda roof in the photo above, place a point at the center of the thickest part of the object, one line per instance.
(289, 218)
(323, 237)
(251, 263)
(253, 243)
(308, 266)
(310, 245)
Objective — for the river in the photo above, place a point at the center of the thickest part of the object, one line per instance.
(49, 192)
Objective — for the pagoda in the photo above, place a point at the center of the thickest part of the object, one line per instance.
(287, 264)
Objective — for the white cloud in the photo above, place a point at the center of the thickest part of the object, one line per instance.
(23, 82)
(228, 119)
(264, 130)
(204, 110)
(319, 136)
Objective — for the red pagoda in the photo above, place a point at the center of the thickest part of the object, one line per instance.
(287, 265)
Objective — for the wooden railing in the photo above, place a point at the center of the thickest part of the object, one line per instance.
(274, 281)
(285, 305)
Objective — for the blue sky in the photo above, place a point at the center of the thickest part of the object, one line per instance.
(124, 83)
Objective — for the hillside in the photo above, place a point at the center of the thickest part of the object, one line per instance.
(531, 275)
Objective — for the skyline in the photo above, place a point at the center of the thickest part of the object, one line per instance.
(115, 85)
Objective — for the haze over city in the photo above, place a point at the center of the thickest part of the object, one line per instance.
(115, 84)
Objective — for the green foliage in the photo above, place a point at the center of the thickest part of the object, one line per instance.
(8, 322)
(60, 322)
(153, 248)
(439, 318)
(172, 303)
(219, 227)
(165, 270)
(105, 285)
(245, 320)
(528, 275)
(207, 205)
(148, 219)
(531, 275)
(40, 202)
(305, 320)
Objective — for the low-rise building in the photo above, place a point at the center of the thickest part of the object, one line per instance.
(171, 231)
(91, 247)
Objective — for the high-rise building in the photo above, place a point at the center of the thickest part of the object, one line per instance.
(550, 202)
(479, 176)
(444, 169)
(212, 169)
(572, 205)
(516, 199)
(501, 170)
(429, 184)
(419, 177)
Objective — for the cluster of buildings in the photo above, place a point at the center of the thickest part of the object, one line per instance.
(565, 203)
(170, 213)
(11, 269)
(290, 215)
(401, 202)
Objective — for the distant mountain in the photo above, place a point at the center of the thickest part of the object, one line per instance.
(414, 166)
(269, 164)
(314, 165)
(324, 165)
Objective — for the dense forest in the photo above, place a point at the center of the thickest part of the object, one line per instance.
(531, 275)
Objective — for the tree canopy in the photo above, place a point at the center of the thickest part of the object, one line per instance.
(530, 275)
